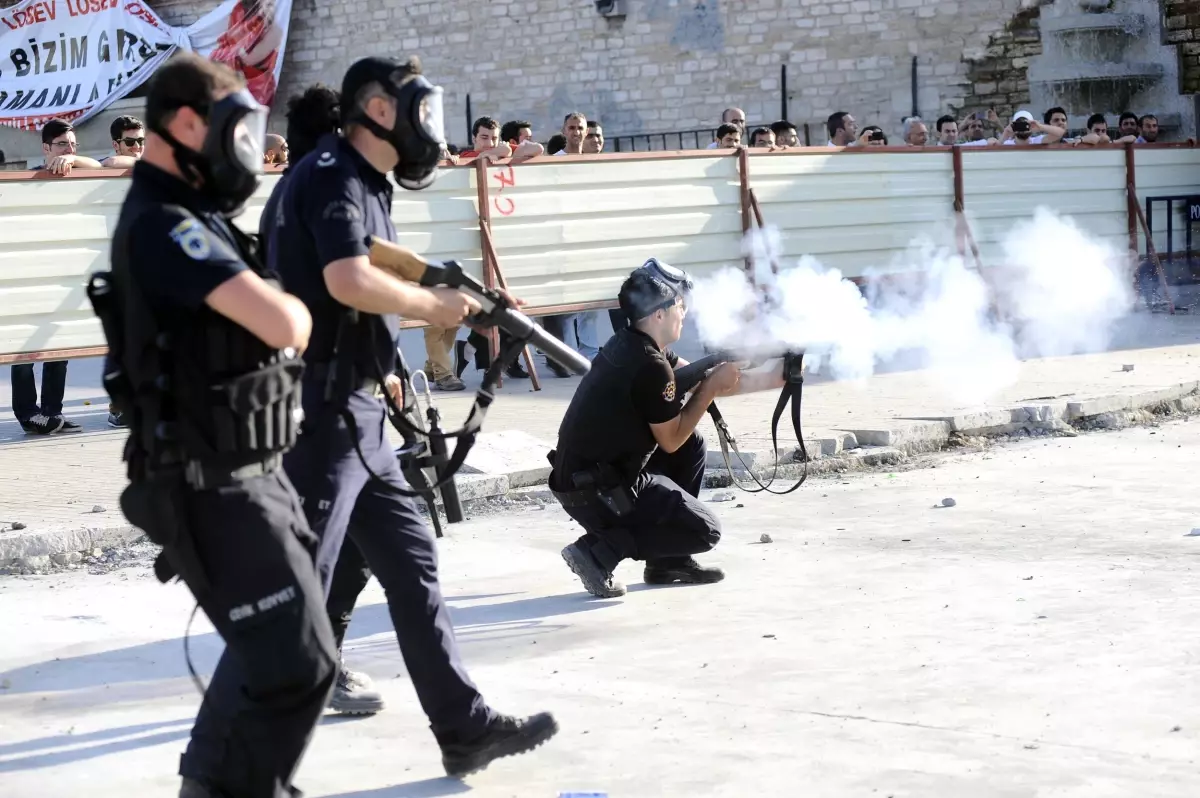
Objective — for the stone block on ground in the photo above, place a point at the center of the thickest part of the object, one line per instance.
(479, 486)
(1097, 405)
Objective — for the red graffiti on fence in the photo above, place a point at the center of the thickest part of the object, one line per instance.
(507, 178)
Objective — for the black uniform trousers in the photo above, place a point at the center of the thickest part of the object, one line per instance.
(247, 554)
(341, 498)
(668, 522)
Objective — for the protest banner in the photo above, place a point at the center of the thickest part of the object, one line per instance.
(72, 58)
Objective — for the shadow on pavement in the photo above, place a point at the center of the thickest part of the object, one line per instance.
(163, 659)
(425, 788)
(37, 755)
(374, 619)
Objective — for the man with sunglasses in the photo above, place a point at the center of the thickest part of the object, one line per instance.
(128, 142)
(629, 463)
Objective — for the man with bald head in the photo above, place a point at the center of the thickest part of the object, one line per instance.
(276, 149)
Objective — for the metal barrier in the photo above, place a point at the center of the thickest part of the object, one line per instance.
(697, 139)
(1179, 267)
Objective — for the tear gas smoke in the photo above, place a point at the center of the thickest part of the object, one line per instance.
(1056, 290)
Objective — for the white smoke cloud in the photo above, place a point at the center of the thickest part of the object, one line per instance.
(1055, 291)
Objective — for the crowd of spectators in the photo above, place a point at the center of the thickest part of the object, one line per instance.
(449, 352)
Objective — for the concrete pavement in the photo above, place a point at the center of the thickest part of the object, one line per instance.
(54, 485)
(1038, 639)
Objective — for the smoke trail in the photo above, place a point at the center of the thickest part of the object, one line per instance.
(1056, 291)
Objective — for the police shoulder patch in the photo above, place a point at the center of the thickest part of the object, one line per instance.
(326, 159)
(192, 238)
(669, 392)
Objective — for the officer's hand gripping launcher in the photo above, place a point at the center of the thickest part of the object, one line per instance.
(497, 309)
(689, 376)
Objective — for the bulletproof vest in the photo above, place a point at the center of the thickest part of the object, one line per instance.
(601, 425)
(210, 391)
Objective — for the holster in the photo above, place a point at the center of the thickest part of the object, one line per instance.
(601, 483)
(156, 507)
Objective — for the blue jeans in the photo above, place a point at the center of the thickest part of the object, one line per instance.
(25, 395)
(579, 333)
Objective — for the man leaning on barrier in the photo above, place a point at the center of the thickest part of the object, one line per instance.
(629, 463)
(203, 361)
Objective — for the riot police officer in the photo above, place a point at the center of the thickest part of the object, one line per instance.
(203, 360)
(315, 113)
(344, 469)
(629, 463)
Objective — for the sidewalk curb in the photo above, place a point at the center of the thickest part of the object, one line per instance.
(848, 450)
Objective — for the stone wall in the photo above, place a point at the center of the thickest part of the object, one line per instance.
(1183, 29)
(998, 79)
(669, 64)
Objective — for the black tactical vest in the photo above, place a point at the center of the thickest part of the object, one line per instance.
(601, 425)
(209, 393)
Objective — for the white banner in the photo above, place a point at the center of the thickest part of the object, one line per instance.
(71, 58)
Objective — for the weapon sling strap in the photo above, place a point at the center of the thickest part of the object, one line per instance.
(792, 393)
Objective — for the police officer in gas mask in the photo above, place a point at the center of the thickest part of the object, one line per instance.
(629, 463)
(204, 359)
(344, 469)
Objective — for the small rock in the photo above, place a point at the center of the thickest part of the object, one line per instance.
(948, 502)
(1195, 533)
(723, 497)
(65, 558)
(18, 525)
(765, 538)
(1027, 578)
(769, 637)
(99, 508)
(97, 553)
(34, 562)
(1031, 747)
(1173, 728)
(1127, 367)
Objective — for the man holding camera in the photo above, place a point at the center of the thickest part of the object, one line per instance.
(629, 463)
(348, 478)
(1024, 130)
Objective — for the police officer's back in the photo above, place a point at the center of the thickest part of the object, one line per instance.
(203, 360)
(629, 463)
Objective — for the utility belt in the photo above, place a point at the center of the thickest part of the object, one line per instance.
(202, 475)
(327, 372)
(601, 484)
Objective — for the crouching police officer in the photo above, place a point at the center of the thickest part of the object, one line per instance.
(629, 463)
(343, 466)
(203, 359)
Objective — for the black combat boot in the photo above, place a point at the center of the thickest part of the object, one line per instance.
(505, 736)
(596, 579)
(665, 570)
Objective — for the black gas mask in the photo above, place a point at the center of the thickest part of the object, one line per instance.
(669, 284)
(230, 162)
(419, 134)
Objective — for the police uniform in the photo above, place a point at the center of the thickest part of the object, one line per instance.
(351, 573)
(212, 409)
(335, 199)
(633, 499)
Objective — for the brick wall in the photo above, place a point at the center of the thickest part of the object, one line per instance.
(998, 79)
(1183, 29)
(670, 64)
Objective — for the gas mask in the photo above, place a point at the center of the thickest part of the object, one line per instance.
(419, 134)
(230, 162)
(676, 282)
